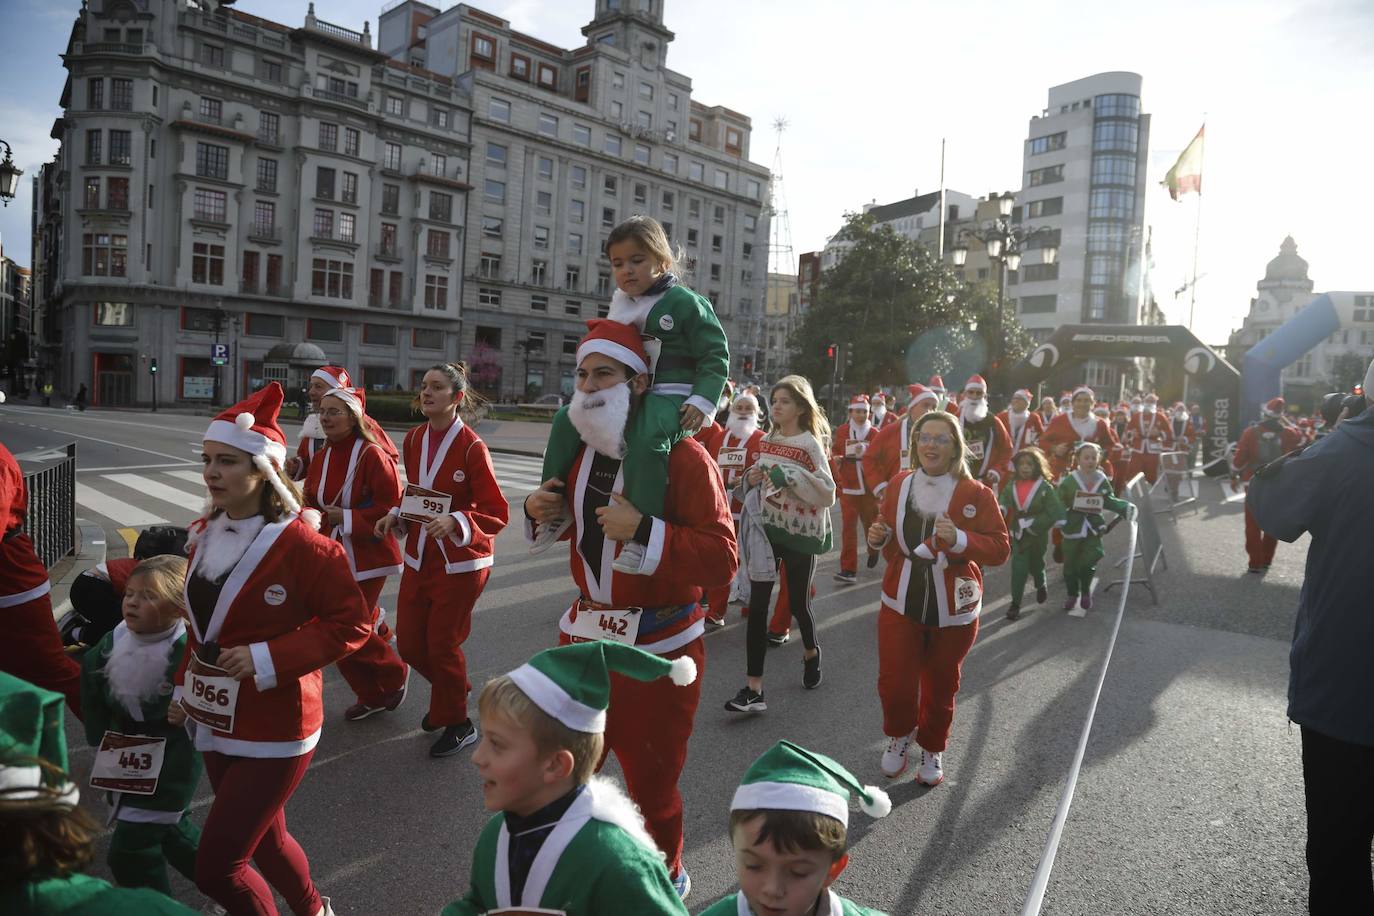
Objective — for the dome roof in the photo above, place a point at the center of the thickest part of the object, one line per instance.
(300, 352)
(1287, 266)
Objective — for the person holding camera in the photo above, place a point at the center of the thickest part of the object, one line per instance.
(1324, 491)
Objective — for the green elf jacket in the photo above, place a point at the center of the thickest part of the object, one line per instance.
(598, 859)
(102, 711)
(831, 904)
(1030, 525)
(1088, 524)
(689, 355)
(82, 895)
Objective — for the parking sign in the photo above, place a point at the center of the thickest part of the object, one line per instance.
(219, 354)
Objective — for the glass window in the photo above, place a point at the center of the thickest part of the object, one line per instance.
(1116, 106)
(1046, 144)
(323, 328)
(207, 263)
(436, 292)
(722, 179)
(427, 338)
(496, 155)
(269, 127)
(1107, 203)
(329, 136)
(323, 226)
(324, 183)
(612, 144)
(349, 192)
(208, 205)
(548, 125)
(696, 171)
(1116, 135)
(121, 147)
(578, 176)
(92, 192)
(332, 279)
(121, 94)
(1048, 175)
(391, 199)
(574, 243)
(539, 303)
(264, 217)
(617, 80)
(644, 119)
(670, 163)
(439, 163)
(1051, 206)
(541, 237)
(538, 270)
(641, 154)
(212, 161)
(1036, 305)
(95, 94)
(608, 217)
(352, 139)
(495, 191)
(492, 226)
(543, 202)
(395, 105)
(577, 211)
(93, 148)
(211, 110)
(641, 193)
(545, 166)
(388, 240)
(646, 91)
(104, 255)
(391, 157)
(1104, 270)
(437, 246)
(582, 135)
(488, 296)
(347, 224)
(610, 184)
(1112, 168)
(616, 111)
(499, 110)
(440, 207)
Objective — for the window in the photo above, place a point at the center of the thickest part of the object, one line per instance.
(641, 154)
(536, 341)
(208, 205)
(382, 335)
(572, 277)
(672, 101)
(548, 125)
(574, 243)
(692, 238)
(1113, 169)
(395, 106)
(694, 208)
(717, 243)
(1096, 309)
(1107, 203)
(104, 255)
(616, 111)
(610, 184)
(334, 280)
(329, 136)
(117, 194)
(548, 76)
(541, 237)
(391, 199)
(391, 157)
(441, 117)
(539, 303)
(489, 266)
(1364, 308)
(488, 296)
(395, 280)
(538, 271)
(95, 94)
(545, 166)
(323, 226)
(520, 67)
(347, 225)
(1033, 272)
(1116, 135)
(324, 183)
(1048, 175)
(694, 129)
(439, 164)
(715, 272)
(264, 218)
(612, 146)
(646, 91)
(483, 47)
(617, 80)
(212, 55)
(603, 284)
(1117, 106)
(578, 177)
(269, 127)
(492, 226)
(747, 250)
(752, 188)
(499, 110)
(582, 84)
(644, 119)
(427, 338)
(718, 214)
(211, 110)
(751, 222)
(670, 163)
(734, 141)
(212, 161)
(1038, 305)
(256, 324)
(1047, 144)
(388, 239)
(641, 193)
(696, 171)
(92, 193)
(322, 328)
(577, 211)
(352, 139)
(121, 94)
(722, 179)
(273, 282)
(207, 263)
(495, 191)
(271, 71)
(440, 207)
(93, 147)
(349, 192)
(668, 229)
(1103, 270)
(607, 217)
(496, 155)
(570, 345)
(1051, 206)
(582, 135)
(543, 203)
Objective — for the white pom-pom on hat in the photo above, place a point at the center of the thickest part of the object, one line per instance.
(245, 420)
(312, 518)
(683, 671)
(875, 802)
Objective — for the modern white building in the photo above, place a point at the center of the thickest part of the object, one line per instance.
(916, 217)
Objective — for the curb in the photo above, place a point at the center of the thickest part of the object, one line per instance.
(90, 552)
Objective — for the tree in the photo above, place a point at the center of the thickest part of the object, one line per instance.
(484, 368)
(904, 315)
(1347, 371)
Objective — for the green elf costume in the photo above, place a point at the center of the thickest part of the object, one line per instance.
(689, 361)
(1085, 496)
(1033, 509)
(788, 777)
(588, 852)
(31, 729)
(121, 692)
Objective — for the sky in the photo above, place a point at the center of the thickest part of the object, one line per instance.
(870, 88)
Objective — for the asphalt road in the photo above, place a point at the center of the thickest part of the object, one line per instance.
(1190, 799)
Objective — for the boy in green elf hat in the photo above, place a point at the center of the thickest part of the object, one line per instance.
(563, 840)
(788, 822)
(1085, 493)
(1032, 506)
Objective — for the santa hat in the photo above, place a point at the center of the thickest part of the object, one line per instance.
(745, 397)
(355, 399)
(1101, 410)
(251, 426)
(621, 342)
(976, 381)
(573, 683)
(333, 376)
(1274, 407)
(1083, 389)
(31, 729)
(936, 384)
(1065, 397)
(1152, 398)
(788, 777)
(920, 392)
(1023, 394)
(859, 402)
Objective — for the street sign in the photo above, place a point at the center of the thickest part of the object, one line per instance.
(219, 354)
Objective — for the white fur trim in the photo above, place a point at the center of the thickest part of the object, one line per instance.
(683, 671)
(348, 397)
(545, 693)
(269, 469)
(245, 439)
(879, 805)
(611, 805)
(312, 518)
(790, 796)
(615, 351)
(265, 673)
(245, 420)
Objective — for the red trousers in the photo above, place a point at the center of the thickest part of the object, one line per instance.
(1258, 545)
(918, 676)
(1146, 463)
(647, 727)
(248, 820)
(374, 670)
(433, 620)
(32, 650)
(860, 510)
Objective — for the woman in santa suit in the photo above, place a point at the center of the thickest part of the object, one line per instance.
(448, 557)
(322, 381)
(271, 602)
(352, 483)
(937, 527)
(1080, 424)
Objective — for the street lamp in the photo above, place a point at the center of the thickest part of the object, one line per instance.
(9, 175)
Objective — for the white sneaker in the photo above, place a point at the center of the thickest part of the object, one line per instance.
(548, 533)
(325, 908)
(930, 773)
(630, 560)
(894, 758)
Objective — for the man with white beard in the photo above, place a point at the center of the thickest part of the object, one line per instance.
(692, 547)
(857, 505)
(989, 444)
(1024, 425)
(1150, 437)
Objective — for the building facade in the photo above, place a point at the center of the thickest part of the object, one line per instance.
(782, 311)
(567, 143)
(229, 182)
(16, 325)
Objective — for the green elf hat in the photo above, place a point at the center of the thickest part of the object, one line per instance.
(790, 778)
(31, 727)
(573, 683)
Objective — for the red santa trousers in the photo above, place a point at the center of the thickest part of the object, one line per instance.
(1258, 545)
(32, 650)
(918, 676)
(248, 821)
(647, 727)
(1146, 463)
(375, 670)
(433, 620)
(854, 510)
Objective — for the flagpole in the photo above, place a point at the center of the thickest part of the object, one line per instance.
(940, 243)
(1197, 233)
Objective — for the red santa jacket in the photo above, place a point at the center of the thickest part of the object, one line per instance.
(1147, 429)
(356, 476)
(888, 455)
(691, 548)
(989, 451)
(1027, 434)
(1061, 431)
(115, 572)
(1183, 431)
(1247, 458)
(722, 440)
(292, 600)
(23, 577)
(462, 469)
(308, 447)
(982, 540)
(848, 468)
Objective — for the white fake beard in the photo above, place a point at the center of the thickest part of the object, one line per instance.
(1181, 416)
(1135, 408)
(878, 414)
(859, 431)
(137, 667)
(223, 544)
(600, 418)
(1149, 408)
(1018, 415)
(742, 427)
(931, 495)
(974, 411)
(311, 428)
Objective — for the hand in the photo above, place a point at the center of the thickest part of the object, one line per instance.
(620, 520)
(878, 533)
(176, 715)
(691, 418)
(755, 475)
(238, 661)
(384, 525)
(945, 530)
(546, 503)
(441, 526)
(334, 515)
(293, 466)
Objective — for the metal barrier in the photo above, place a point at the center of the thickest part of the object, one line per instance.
(51, 521)
(1175, 474)
(1151, 550)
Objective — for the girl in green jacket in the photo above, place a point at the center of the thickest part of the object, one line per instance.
(1032, 508)
(1085, 493)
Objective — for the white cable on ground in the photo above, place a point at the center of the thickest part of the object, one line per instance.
(1035, 897)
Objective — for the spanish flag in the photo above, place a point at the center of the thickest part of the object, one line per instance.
(1186, 175)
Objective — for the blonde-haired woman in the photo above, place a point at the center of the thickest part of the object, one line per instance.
(795, 494)
(936, 527)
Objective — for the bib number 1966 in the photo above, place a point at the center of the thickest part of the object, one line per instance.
(211, 696)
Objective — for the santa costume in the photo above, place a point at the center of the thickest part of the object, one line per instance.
(1023, 426)
(1150, 436)
(857, 505)
(359, 478)
(890, 452)
(1068, 430)
(1268, 440)
(312, 435)
(987, 443)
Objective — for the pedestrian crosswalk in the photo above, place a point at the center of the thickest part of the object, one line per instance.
(176, 496)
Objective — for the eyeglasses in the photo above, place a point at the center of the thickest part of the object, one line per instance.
(333, 412)
(940, 440)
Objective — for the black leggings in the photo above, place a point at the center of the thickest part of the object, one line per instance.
(800, 569)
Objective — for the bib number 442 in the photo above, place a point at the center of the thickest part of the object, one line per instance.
(614, 626)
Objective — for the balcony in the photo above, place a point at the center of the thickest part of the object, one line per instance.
(275, 290)
(341, 97)
(383, 301)
(111, 47)
(270, 137)
(263, 231)
(388, 253)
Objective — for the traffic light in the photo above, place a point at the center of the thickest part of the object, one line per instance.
(152, 366)
(830, 351)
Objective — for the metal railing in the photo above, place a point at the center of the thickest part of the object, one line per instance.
(51, 520)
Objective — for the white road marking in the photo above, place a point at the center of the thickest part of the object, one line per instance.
(138, 467)
(146, 485)
(195, 477)
(115, 509)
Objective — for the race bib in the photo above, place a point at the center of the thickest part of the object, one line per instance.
(524, 911)
(210, 695)
(854, 449)
(419, 504)
(128, 763)
(906, 459)
(1087, 503)
(975, 450)
(730, 458)
(968, 594)
(614, 626)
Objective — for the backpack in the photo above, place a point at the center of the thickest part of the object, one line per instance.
(160, 539)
